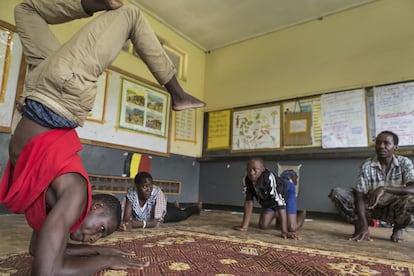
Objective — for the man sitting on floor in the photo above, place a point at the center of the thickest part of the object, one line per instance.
(384, 191)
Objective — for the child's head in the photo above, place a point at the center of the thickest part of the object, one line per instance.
(104, 218)
(143, 185)
(254, 168)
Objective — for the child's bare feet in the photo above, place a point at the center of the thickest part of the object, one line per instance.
(290, 235)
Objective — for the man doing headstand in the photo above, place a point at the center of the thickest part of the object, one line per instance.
(45, 178)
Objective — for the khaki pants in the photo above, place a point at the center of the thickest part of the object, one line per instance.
(63, 77)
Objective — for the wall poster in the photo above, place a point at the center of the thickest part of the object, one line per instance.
(256, 128)
(143, 108)
(218, 130)
(344, 119)
(185, 125)
(394, 110)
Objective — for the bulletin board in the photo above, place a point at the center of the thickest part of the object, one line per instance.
(137, 118)
(321, 125)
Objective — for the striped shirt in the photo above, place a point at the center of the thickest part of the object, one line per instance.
(154, 208)
(371, 176)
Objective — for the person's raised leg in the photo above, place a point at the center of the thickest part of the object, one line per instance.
(149, 48)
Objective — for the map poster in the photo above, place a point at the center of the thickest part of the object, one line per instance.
(256, 128)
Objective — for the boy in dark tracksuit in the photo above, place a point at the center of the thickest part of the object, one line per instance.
(274, 194)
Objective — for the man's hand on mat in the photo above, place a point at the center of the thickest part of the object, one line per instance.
(125, 226)
(107, 250)
(239, 228)
(120, 263)
(361, 236)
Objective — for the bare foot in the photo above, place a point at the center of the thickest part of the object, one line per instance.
(239, 228)
(361, 236)
(290, 235)
(397, 235)
(177, 204)
(300, 219)
(180, 99)
(186, 101)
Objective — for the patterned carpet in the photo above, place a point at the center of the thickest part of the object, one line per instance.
(192, 253)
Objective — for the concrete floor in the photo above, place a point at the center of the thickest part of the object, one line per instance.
(325, 234)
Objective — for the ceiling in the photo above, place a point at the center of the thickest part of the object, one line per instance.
(212, 24)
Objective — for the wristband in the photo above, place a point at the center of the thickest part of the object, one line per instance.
(144, 224)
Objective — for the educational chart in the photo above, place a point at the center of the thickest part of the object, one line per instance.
(218, 131)
(257, 128)
(185, 125)
(344, 122)
(394, 110)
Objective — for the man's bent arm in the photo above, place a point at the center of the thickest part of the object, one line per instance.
(90, 250)
(407, 190)
(70, 193)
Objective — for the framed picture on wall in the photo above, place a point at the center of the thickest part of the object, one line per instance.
(143, 108)
(12, 72)
(256, 128)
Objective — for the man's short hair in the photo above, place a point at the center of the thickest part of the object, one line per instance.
(256, 158)
(394, 136)
(141, 176)
(111, 207)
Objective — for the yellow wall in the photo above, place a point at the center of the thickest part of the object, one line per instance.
(125, 61)
(369, 45)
